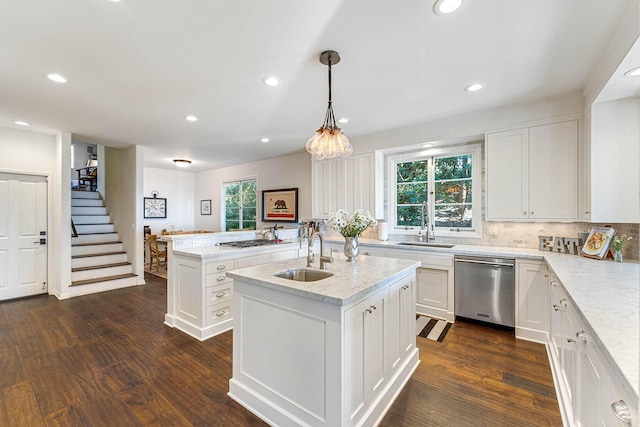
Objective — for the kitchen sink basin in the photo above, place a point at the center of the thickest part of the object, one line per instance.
(427, 245)
(303, 274)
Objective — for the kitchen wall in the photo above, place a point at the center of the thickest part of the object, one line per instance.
(177, 186)
(289, 171)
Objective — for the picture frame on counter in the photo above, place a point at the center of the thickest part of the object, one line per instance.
(205, 207)
(280, 205)
(155, 207)
(597, 244)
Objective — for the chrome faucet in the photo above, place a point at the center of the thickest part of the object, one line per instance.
(324, 260)
(423, 231)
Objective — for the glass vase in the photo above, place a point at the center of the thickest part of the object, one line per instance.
(351, 249)
(617, 255)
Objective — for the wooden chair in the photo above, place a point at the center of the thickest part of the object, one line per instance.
(88, 177)
(154, 252)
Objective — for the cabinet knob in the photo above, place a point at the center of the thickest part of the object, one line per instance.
(556, 307)
(370, 309)
(569, 339)
(221, 278)
(524, 213)
(582, 336)
(554, 283)
(531, 212)
(221, 267)
(587, 212)
(405, 287)
(621, 410)
(220, 313)
(220, 294)
(367, 253)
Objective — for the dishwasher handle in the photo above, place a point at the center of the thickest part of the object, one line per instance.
(491, 263)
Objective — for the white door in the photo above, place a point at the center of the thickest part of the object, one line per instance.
(23, 235)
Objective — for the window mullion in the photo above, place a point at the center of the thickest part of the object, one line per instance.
(431, 194)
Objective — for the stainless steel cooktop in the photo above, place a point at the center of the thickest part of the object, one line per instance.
(251, 243)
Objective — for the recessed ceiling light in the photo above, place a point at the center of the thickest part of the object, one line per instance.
(343, 120)
(22, 123)
(264, 139)
(271, 81)
(633, 72)
(444, 7)
(182, 163)
(191, 118)
(474, 87)
(115, 1)
(55, 77)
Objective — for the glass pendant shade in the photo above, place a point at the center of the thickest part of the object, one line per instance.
(329, 141)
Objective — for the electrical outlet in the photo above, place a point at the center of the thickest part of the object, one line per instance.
(492, 230)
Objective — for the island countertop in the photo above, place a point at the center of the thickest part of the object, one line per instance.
(350, 281)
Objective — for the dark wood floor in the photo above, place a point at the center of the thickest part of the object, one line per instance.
(108, 360)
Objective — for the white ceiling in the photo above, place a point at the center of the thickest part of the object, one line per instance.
(137, 67)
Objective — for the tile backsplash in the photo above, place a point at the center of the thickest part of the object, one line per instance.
(525, 234)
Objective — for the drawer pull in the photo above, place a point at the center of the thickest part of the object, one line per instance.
(221, 313)
(405, 287)
(556, 307)
(221, 278)
(221, 267)
(582, 336)
(220, 294)
(621, 410)
(554, 283)
(569, 339)
(367, 253)
(370, 309)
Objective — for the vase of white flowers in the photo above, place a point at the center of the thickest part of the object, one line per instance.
(618, 243)
(351, 227)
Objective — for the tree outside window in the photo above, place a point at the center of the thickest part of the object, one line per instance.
(240, 205)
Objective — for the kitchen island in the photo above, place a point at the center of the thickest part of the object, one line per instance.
(331, 352)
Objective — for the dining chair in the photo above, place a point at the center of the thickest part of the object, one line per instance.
(155, 253)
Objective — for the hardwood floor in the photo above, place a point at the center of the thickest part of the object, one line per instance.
(108, 360)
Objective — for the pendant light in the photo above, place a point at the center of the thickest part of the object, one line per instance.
(329, 141)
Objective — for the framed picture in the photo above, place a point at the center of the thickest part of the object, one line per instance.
(598, 242)
(280, 205)
(205, 207)
(155, 207)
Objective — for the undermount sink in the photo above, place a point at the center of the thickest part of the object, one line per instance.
(427, 245)
(303, 274)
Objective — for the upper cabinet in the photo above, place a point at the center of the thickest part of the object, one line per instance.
(344, 183)
(532, 173)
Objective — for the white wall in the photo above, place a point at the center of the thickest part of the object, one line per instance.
(292, 171)
(178, 188)
(27, 152)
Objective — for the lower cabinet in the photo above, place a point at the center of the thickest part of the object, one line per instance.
(532, 300)
(588, 391)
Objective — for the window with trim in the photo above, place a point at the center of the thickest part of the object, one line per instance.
(440, 184)
(240, 205)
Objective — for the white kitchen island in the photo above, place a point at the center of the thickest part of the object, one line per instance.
(334, 352)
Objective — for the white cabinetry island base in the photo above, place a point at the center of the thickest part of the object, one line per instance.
(335, 352)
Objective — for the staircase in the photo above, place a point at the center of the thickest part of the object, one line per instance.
(98, 261)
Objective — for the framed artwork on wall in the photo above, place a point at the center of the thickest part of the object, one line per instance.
(205, 207)
(155, 207)
(280, 205)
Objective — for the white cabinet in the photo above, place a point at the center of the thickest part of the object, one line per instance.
(587, 384)
(401, 318)
(532, 300)
(343, 184)
(532, 173)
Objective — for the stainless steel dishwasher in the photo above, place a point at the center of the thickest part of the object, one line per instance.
(485, 289)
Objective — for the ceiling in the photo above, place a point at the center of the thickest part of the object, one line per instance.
(136, 68)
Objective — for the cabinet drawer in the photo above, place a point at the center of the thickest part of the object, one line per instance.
(219, 294)
(219, 313)
(220, 266)
(284, 255)
(218, 279)
(252, 260)
(427, 259)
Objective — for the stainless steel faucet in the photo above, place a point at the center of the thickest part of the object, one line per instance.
(324, 260)
(423, 231)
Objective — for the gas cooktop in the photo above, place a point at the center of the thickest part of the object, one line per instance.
(251, 243)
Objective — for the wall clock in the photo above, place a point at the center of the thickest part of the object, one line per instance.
(155, 207)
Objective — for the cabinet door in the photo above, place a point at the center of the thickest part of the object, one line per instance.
(553, 171)
(507, 175)
(433, 287)
(569, 356)
(366, 355)
(533, 296)
(558, 302)
(401, 319)
(588, 384)
(327, 187)
(359, 183)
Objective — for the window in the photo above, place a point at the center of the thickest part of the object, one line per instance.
(440, 182)
(240, 205)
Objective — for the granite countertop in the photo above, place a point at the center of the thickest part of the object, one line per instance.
(350, 281)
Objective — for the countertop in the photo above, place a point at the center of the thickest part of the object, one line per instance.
(349, 283)
(206, 252)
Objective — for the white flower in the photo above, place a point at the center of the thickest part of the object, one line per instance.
(351, 226)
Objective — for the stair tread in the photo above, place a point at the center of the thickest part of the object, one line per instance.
(94, 244)
(97, 223)
(102, 279)
(89, 234)
(98, 254)
(97, 267)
